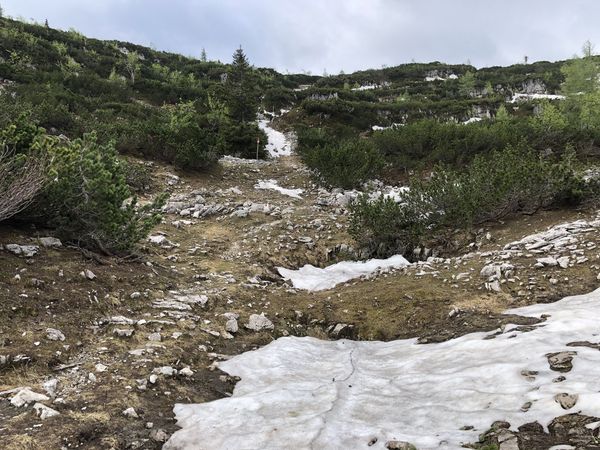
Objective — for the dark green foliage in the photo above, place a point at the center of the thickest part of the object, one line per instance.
(86, 196)
(73, 85)
(88, 200)
(240, 140)
(138, 176)
(383, 228)
(347, 164)
(243, 94)
(493, 186)
(425, 143)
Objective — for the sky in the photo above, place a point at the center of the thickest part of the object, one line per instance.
(333, 35)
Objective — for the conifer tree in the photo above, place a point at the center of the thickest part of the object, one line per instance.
(242, 89)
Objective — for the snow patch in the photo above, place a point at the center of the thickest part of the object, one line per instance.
(272, 185)
(304, 393)
(392, 126)
(279, 144)
(524, 97)
(313, 278)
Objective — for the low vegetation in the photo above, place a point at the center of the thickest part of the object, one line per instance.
(347, 164)
(78, 187)
(493, 186)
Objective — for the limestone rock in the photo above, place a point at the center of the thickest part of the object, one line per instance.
(44, 412)
(561, 361)
(399, 445)
(54, 335)
(26, 396)
(130, 412)
(566, 401)
(259, 322)
(50, 242)
(28, 251)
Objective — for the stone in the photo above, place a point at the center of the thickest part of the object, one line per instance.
(28, 251)
(563, 262)
(493, 286)
(50, 386)
(232, 324)
(491, 270)
(26, 396)
(54, 335)
(101, 368)
(50, 242)
(566, 401)
(88, 274)
(548, 261)
(240, 213)
(509, 444)
(159, 435)
(259, 322)
(186, 372)
(130, 412)
(167, 371)
(561, 361)
(399, 445)
(341, 330)
(154, 337)
(125, 332)
(44, 412)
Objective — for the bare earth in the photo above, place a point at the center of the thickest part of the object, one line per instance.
(146, 334)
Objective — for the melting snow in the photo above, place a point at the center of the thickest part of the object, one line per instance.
(304, 393)
(279, 144)
(272, 185)
(523, 97)
(472, 120)
(313, 278)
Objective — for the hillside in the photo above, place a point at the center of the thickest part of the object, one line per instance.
(403, 260)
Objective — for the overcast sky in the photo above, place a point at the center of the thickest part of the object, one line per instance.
(313, 35)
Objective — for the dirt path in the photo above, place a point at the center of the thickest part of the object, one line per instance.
(139, 338)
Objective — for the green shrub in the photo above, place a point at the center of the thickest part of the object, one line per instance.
(382, 227)
(345, 165)
(139, 176)
(239, 139)
(89, 201)
(493, 186)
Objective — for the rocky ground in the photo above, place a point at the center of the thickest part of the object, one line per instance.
(94, 353)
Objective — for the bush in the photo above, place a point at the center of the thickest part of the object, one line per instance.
(490, 188)
(382, 227)
(88, 200)
(23, 174)
(239, 139)
(346, 165)
(138, 176)
(427, 142)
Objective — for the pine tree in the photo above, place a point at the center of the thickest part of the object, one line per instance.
(203, 57)
(242, 89)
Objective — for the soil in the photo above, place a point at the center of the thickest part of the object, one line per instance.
(232, 260)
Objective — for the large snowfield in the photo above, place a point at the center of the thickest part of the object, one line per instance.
(304, 393)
